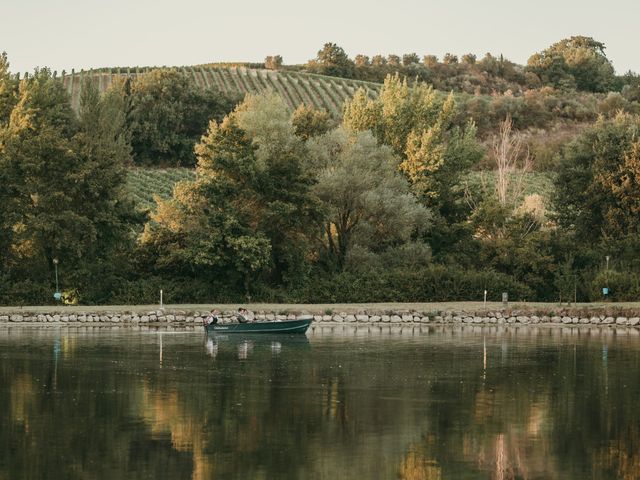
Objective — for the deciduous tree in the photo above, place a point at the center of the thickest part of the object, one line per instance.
(581, 58)
(168, 114)
(598, 183)
(250, 208)
(368, 201)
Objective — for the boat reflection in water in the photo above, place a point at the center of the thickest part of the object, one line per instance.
(243, 346)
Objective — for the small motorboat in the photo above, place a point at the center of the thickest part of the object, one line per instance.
(286, 326)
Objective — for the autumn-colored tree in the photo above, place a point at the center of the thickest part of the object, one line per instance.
(417, 123)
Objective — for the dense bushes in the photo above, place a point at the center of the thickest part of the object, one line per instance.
(435, 283)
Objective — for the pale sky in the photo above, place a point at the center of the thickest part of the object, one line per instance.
(65, 34)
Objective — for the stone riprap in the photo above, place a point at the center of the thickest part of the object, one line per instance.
(178, 317)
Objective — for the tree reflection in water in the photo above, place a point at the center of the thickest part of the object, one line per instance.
(421, 403)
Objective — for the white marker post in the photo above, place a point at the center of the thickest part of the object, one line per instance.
(161, 307)
(485, 298)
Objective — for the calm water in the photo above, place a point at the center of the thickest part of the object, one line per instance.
(411, 403)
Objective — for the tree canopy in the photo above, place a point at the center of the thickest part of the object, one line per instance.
(598, 183)
(578, 61)
(65, 197)
(168, 114)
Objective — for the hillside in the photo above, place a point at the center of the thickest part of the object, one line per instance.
(319, 91)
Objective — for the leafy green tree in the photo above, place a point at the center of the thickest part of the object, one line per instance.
(8, 99)
(579, 57)
(565, 280)
(597, 189)
(309, 122)
(552, 70)
(65, 184)
(168, 114)
(104, 152)
(332, 60)
(410, 59)
(631, 86)
(368, 201)
(246, 216)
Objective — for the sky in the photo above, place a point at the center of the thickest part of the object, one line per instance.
(83, 34)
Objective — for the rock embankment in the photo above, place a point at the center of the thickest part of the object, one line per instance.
(178, 317)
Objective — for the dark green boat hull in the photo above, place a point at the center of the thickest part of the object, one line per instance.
(287, 326)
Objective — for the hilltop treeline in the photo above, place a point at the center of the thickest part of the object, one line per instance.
(301, 207)
(576, 63)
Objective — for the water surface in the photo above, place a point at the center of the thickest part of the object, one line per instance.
(365, 403)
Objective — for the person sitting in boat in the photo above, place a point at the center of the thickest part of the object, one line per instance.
(213, 317)
(245, 315)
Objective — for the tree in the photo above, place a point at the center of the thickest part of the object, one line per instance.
(104, 152)
(362, 61)
(417, 123)
(8, 90)
(168, 114)
(393, 60)
(450, 59)
(65, 185)
(273, 62)
(598, 183)
(468, 59)
(579, 57)
(245, 217)
(430, 61)
(410, 59)
(378, 61)
(332, 60)
(368, 202)
(309, 122)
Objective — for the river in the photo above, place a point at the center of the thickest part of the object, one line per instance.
(366, 402)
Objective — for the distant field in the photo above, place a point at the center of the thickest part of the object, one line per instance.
(534, 182)
(144, 183)
(319, 91)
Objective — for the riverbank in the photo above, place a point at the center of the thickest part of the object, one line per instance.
(393, 313)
